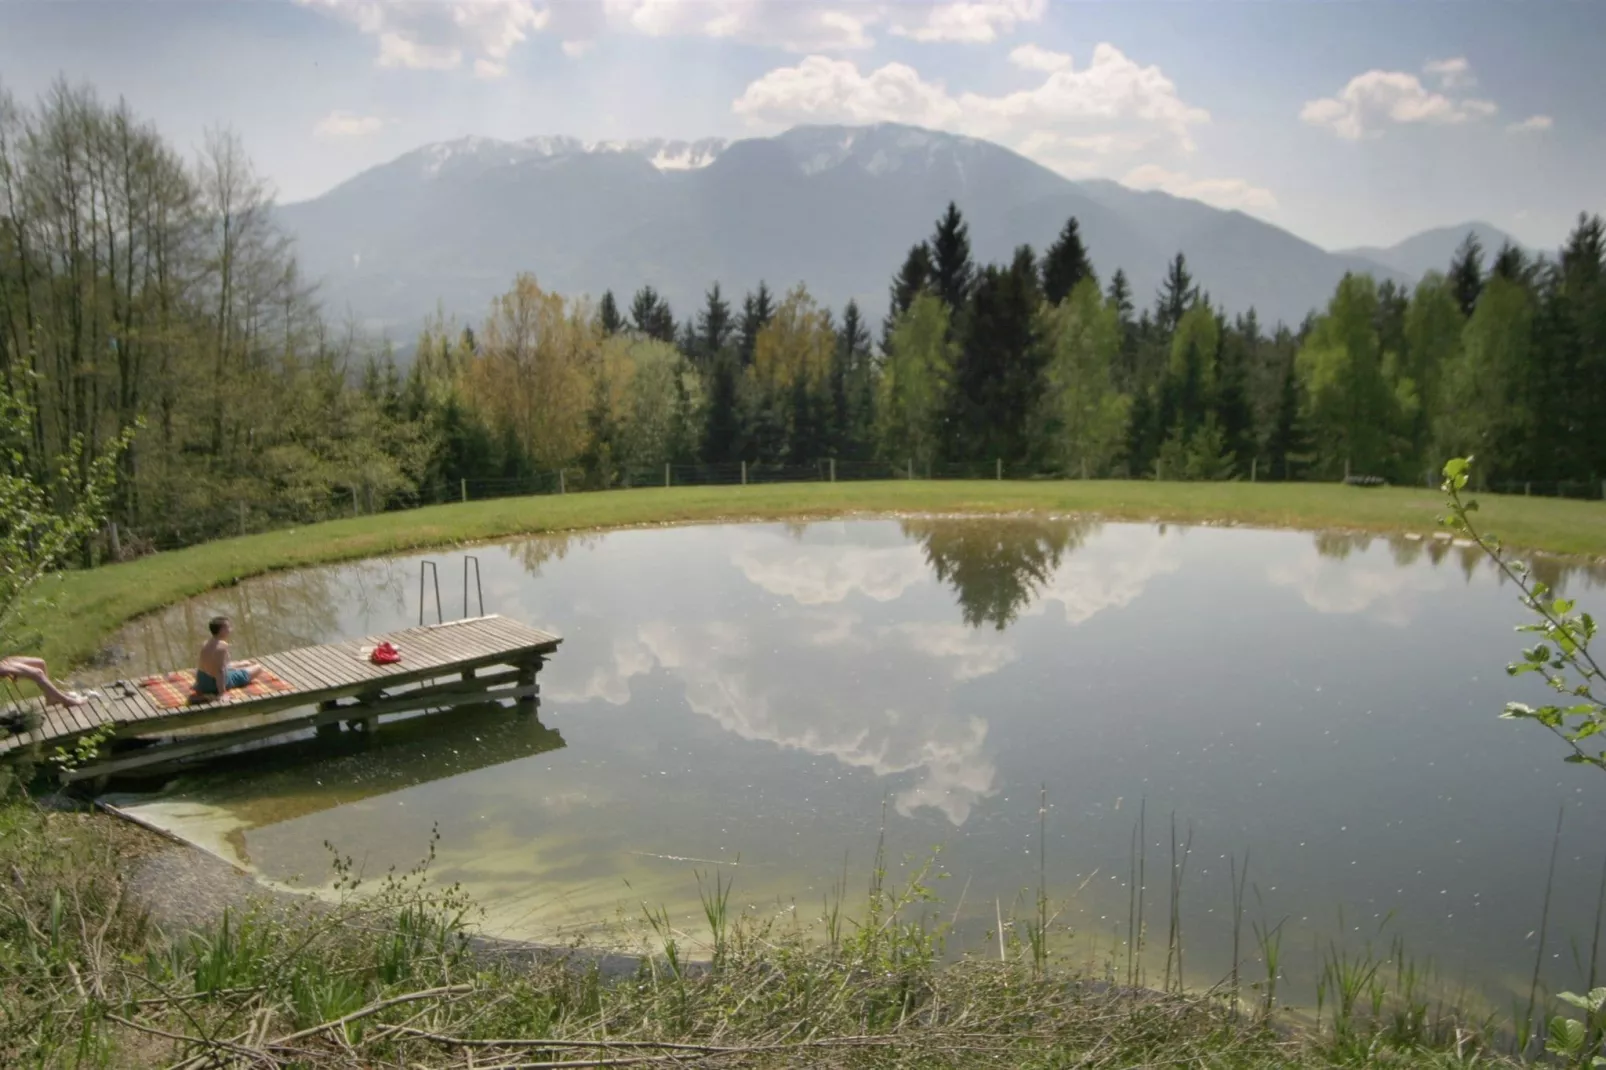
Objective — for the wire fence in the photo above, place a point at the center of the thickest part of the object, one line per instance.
(249, 517)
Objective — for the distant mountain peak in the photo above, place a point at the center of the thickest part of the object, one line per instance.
(663, 153)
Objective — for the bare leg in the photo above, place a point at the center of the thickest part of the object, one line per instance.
(252, 670)
(53, 694)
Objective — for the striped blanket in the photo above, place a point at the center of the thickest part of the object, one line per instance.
(175, 689)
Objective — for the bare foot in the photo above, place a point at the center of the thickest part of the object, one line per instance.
(71, 698)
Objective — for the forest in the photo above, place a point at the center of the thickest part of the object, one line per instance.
(145, 294)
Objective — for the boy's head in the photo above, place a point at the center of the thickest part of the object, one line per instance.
(220, 627)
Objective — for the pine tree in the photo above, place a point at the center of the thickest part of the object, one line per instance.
(1177, 294)
(722, 431)
(1233, 414)
(1126, 366)
(1466, 273)
(856, 408)
(953, 271)
(608, 314)
(757, 308)
(1510, 263)
(651, 315)
(913, 279)
(998, 377)
(1287, 445)
(714, 326)
(1066, 263)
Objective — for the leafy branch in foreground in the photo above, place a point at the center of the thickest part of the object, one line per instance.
(43, 521)
(1562, 656)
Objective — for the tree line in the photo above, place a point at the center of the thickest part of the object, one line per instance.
(143, 291)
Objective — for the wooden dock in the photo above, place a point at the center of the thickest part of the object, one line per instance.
(441, 666)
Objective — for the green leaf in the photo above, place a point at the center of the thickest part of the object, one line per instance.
(1454, 467)
(1566, 1036)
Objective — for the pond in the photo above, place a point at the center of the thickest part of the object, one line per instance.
(760, 698)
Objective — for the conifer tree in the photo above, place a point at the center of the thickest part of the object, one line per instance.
(1125, 368)
(853, 386)
(1177, 294)
(953, 272)
(650, 314)
(757, 308)
(913, 279)
(1466, 273)
(714, 326)
(608, 316)
(1066, 263)
(722, 431)
(998, 377)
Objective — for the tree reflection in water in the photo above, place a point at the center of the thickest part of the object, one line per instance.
(997, 565)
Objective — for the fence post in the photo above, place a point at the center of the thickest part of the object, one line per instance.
(1084, 467)
(561, 488)
(833, 469)
(115, 543)
(666, 475)
(744, 473)
(909, 468)
(1254, 468)
(998, 468)
(462, 486)
(1528, 489)
(1346, 469)
(242, 526)
(356, 509)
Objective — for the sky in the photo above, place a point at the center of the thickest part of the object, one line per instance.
(1348, 123)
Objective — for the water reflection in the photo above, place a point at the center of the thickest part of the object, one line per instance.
(999, 567)
(750, 695)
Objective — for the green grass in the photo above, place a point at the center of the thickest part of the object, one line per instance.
(90, 605)
(387, 974)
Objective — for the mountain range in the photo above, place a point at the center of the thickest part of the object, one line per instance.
(449, 225)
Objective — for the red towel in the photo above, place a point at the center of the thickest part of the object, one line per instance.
(385, 654)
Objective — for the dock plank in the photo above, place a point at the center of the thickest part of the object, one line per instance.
(318, 673)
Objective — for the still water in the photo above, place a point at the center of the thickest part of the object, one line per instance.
(754, 697)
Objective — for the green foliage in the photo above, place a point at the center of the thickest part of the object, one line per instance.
(1083, 416)
(1561, 658)
(914, 382)
(43, 522)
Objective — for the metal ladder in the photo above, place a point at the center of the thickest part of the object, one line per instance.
(434, 572)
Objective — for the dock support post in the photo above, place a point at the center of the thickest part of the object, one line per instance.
(527, 673)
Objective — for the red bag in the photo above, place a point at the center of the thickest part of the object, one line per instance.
(385, 654)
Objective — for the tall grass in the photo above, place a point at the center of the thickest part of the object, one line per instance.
(390, 973)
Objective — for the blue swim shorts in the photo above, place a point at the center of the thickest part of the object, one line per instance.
(206, 685)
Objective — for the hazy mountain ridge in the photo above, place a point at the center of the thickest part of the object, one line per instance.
(449, 225)
(1431, 250)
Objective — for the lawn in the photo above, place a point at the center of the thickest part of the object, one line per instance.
(90, 605)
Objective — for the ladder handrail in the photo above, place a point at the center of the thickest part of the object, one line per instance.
(440, 616)
(479, 589)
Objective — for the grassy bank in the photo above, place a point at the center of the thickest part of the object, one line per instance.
(91, 605)
(388, 976)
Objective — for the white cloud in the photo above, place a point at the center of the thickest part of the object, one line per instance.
(792, 27)
(824, 90)
(1377, 98)
(576, 49)
(1452, 73)
(1360, 583)
(1037, 58)
(966, 653)
(1221, 192)
(1532, 124)
(441, 35)
(1109, 572)
(972, 22)
(343, 124)
(1069, 122)
(815, 575)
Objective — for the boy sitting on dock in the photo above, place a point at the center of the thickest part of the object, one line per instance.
(215, 667)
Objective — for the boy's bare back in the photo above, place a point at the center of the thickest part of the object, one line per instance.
(214, 658)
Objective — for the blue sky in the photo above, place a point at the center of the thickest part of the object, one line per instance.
(1347, 123)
